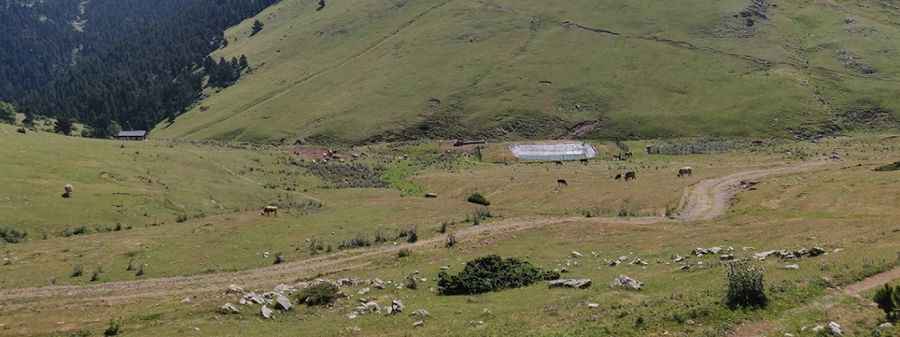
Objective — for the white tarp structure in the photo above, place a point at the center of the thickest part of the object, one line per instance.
(553, 152)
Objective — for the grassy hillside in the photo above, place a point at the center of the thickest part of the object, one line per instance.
(133, 184)
(843, 206)
(370, 70)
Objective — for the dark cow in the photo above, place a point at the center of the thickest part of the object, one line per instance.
(685, 172)
(630, 175)
(562, 183)
(618, 177)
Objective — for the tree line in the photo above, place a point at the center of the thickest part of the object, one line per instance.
(148, 65)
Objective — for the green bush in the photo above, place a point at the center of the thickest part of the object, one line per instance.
(889, 167)
(322, 293)
(113, 329)
(11, 235)
(888, 300)
(404, 253)
(7, 113)
(746, 286)
(477, 198)
(491, 273)
(81, 230)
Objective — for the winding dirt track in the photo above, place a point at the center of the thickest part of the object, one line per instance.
(704, 201)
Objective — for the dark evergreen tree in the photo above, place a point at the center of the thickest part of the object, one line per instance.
(64, 126)
(29, 120)
(243, 62)
(257, 27)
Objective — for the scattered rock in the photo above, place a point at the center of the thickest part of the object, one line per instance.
(284, 289)
(229, 309)
(835, 329)
(816, 251)
(577, 254)
(593, 305)
(395, 308)
(234, 289)
(726, 257)
(626, 282)
(570, 283)
(252, 297)
(420, 314)
(763, 255)
(265, 312)
(283, 303)
(431, 195)
(638, 261)
(377, 284)
(792, 267)
(885, 325)
(418, 324)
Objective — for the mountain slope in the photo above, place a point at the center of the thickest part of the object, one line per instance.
(364, 70)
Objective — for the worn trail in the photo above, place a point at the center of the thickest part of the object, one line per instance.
(706, 200)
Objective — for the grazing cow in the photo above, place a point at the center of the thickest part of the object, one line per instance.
(630, 175)
(618, 177)
(562, 183)
(270, 211)
(685, 172)
(67, 191)
(558, 162)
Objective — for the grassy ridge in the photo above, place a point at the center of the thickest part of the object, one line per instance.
(368, 70)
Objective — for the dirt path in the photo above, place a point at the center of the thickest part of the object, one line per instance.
(872, 282)
(706, 200)
(764, 328)
(710, 198)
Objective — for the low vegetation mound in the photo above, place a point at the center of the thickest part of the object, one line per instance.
(477, 198)
(322, 293)
(343, 175)
(889, 167)
(746, 286)
(11, 235)
(492, 273)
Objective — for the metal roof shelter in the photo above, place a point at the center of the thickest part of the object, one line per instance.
(132, 135)
(553, 152)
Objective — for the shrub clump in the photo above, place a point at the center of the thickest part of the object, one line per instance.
(492, 273)
(746, 286)
(81, 230)
(477, 198)
(11, 235)
(889, 167)
(357, 242)
(888, 300)
(113, 329)
(322, 293)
